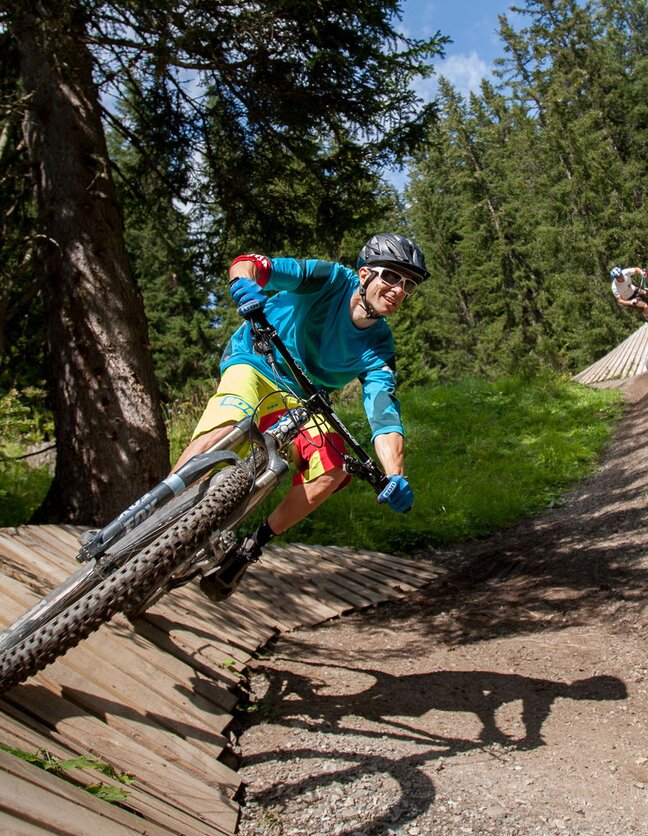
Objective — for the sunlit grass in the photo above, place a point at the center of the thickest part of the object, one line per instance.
(479, 454)
(22, 488)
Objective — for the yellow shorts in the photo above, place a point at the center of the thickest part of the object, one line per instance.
(245, 392)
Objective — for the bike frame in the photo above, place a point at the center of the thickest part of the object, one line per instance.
(274, 440)
(125, 536)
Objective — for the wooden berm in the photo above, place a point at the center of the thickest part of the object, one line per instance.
(155, 700)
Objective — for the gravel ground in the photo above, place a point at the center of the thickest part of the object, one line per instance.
(508, 699)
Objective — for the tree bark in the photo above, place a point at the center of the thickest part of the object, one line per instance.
(110, 434)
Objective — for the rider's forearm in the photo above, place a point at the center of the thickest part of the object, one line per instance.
(390, 449)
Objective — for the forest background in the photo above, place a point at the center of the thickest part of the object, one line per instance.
(141, 150)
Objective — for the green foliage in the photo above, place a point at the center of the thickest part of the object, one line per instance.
(182, 415)
(45, 760)
(23, 421)
(23, 418)
(22, 488)
(525, 195)
(283, 156)
(480, 455)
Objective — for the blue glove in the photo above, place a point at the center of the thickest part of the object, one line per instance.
(248, 296)
(398, 494)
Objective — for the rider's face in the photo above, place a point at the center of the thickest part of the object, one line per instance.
(384, 298)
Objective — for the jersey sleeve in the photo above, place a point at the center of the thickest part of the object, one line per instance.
(380, 401)
(300, 276)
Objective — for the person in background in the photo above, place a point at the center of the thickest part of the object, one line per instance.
(626, 292)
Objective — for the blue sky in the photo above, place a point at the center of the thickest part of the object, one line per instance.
(471, 24)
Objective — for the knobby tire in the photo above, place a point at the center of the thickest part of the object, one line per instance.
(138, 574)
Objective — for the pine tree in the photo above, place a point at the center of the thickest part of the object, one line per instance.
(544, 180)
(239, 86)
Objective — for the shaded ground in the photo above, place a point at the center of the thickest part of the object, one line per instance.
(511, 699)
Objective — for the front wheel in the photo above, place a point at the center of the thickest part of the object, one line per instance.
(134, 577)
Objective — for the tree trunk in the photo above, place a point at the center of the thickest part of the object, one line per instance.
(110, 435)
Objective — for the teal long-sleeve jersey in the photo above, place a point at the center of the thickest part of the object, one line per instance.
(311, 313)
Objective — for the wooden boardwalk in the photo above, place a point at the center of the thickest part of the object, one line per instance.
(155, 700)
(628, 359)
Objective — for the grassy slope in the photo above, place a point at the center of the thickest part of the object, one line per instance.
(479, 456)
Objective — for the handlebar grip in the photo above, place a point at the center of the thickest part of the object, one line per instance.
(248, 310)
(381, 484)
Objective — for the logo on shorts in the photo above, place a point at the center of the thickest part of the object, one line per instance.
(237, 403)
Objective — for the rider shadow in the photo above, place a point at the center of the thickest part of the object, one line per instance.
(298, 699)
(301, 701)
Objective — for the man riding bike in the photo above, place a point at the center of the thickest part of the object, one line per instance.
(626, 293)
(333, 321)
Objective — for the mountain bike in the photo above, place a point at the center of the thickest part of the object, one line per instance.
(181, 530)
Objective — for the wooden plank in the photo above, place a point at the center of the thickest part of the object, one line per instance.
(15, 599)
(67, 543)
(19, 734)
(155, 698)
(19, 561)
(41, 799)
(119, 701)
(625, 360)
(387, 573)
(327, 582)
(383, 586)
(312, 582)
(180, 650)
(402, 572)
(151, 662)
(147, 686)
(103, 689)
(42, 536)
(319, 576)
(39, 553)
(415, 566)
(11, 825)
(213, 647)
(299, 606)
(161, 778)
(69, 535)
(393, 565)
(192, 611)
(154, 810)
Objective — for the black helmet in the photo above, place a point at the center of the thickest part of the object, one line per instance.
(395, 251)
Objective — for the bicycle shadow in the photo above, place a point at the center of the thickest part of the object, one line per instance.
(482, 693)
(389, 702)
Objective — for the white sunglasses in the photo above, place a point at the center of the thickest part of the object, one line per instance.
(392, 278)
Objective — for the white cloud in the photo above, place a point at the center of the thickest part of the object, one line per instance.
(464, 71)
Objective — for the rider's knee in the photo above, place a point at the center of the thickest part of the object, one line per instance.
(328, 482)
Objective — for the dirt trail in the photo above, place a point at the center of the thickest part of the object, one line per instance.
(512, 699)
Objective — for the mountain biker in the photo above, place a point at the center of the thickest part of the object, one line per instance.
(333, 321)
(626, 293)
